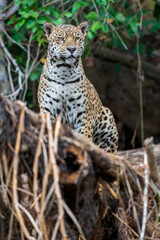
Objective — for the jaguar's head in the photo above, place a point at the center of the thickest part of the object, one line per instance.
(66, 42)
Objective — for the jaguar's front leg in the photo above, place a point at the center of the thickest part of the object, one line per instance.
(85, 128)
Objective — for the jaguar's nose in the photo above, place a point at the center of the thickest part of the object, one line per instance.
(71, 49)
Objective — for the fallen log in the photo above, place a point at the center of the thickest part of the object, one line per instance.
(58, 185)
(128, 60)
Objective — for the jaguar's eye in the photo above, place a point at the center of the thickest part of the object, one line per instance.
(77, 38)
(61, 39)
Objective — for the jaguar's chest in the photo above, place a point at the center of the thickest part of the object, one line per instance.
(65, 101)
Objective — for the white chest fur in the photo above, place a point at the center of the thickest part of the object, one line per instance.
(62, 92)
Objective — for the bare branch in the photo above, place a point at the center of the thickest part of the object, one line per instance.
(9, 13)
(53, 149)
(27, 66)
(15, 177)
(145, 197)
(33, 65)
(69, 212)
(95, 7)
(10, 76)
(116, 32)
(8, 54)
(12, 40)
(35, 165)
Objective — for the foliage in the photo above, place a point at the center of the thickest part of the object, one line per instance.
(114, 23)
(103, 16)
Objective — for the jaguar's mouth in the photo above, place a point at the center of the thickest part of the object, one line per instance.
(69, 60)
(70, 57)
(65, 58)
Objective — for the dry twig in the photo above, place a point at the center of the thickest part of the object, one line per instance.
(15, 173)
(53, 148)
(35, 165)
(145, 197)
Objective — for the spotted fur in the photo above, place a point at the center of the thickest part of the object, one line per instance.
(65, 91)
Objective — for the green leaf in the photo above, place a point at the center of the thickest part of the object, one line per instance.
(34, 76)
(104, 27)
(129, 31)
(41, 42)
(19, 24)
(68, 14)
(16, 36)
(21, 12)
(40, 35)
(42, 9)
(58, 21)
(34, 29)
(95, 26)
(41, 20)
(56, 13)
(33, 14)
(11, 21)
(30, 2)
(30, 24)
(102, 2)
(92, 16)
(25, 15)
(90, 35)
(120, 17)
(133, 26)
(48, 12)
(75, 7)
(17, 2)
(83, 3)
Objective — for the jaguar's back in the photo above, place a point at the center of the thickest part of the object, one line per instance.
(65, 91)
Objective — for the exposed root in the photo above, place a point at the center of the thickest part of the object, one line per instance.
(58, 185)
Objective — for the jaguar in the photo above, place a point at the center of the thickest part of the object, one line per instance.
(65, 91)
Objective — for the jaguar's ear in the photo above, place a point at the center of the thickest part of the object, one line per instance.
(48, 28)
(83, 27)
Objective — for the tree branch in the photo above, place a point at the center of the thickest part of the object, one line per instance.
(17, 69)
(9, 13)
(127, 60)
